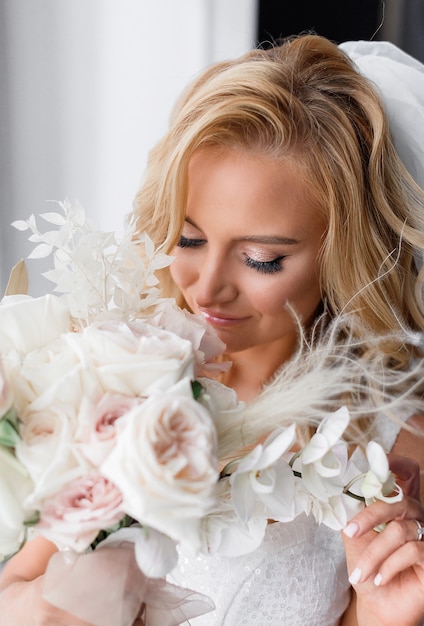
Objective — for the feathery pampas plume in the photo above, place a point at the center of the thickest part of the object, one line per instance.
(328, 371)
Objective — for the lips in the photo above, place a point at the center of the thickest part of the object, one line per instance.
(216, 318)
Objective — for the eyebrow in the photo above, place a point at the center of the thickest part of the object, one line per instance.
(271, 239)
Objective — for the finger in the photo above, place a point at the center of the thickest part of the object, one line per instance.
(380, 513)
(384, 545)
(411, 554)
(407, 474)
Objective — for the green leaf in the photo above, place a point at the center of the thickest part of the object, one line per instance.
(197, 389)
(126, 521)
(33, 520)
(9, 435)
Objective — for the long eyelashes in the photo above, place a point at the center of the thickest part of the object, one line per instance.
(263, 267)
(185, 242)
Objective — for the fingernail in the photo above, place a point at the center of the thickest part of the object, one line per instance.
(378, 579)
(355, 576)
(351, 529)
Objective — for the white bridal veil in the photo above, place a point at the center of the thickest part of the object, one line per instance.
(400, 81)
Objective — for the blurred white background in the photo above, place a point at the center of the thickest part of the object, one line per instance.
(86, 90)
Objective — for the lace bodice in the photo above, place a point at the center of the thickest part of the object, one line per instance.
(297, 577)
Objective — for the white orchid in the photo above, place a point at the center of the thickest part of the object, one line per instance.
(222, 530)
(264, 476)
(379, 482)
(324, 460)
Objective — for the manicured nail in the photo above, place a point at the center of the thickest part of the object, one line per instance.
(378, 579)
(351, 529)
(355, 576)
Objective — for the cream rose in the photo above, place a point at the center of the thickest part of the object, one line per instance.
(15, 486)
(6, 392)
(164, 463)
(46, 449)
(133, 359)
(27, 323)
(206, 344)
(52, 376)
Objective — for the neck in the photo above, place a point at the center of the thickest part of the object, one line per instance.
(252, 368)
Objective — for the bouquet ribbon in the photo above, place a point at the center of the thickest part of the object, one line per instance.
(106, 588)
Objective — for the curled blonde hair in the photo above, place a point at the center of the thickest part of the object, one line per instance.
(304, 100)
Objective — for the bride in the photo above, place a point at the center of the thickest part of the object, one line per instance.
(282, 197)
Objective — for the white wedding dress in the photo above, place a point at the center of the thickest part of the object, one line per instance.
(297, 577)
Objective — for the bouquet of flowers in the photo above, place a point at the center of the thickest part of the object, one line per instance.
(110, 434)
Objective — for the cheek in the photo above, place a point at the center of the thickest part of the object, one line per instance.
(182, 271)
(301, 290)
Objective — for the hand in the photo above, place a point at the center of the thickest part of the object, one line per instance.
(21, 603)
(387, 568)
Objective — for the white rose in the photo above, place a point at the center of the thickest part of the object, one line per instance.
(15, 486)
(6, 392)
(52, 376)
(164, 463)
(27, 323)
(47, 451)
(133, 359)
(206, 344)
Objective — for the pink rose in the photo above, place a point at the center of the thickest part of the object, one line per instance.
(97, 424)
(75, 515)
(165, 464)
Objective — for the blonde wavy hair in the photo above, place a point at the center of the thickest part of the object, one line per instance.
(304, 100)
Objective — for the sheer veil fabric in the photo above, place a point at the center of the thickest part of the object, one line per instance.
(400, 80)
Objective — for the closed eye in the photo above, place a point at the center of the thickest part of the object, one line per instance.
(186, 242)
(265, 267)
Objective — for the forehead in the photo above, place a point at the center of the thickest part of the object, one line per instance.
(251, 189)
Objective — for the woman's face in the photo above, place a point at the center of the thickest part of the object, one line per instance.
(249, 246)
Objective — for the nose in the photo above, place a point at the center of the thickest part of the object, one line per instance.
(216, 283)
